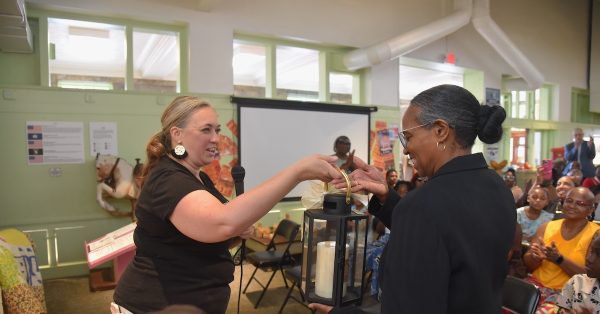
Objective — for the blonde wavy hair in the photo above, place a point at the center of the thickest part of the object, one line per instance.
(176, 114)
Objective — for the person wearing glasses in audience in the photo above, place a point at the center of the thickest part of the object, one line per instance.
(560, 246)
(450, 238)
(510, 178)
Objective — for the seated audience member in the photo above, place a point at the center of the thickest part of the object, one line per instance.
(545, 184)
(417, 180)
(391, 176)
(532, 216)
(581, 294)
(516, 268)
(510, 178)
(563, 186)
(403, 187)
(593, 181)
(559, 248)
(577, 176)
(374, 251)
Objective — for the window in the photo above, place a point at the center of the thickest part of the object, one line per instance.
(87, 52)
(249, 69)
(534, 105)
(340, 86)
(414, 80)
(292, 70)
(92, 55)
(518, 146)
(155, 60)
(297, 73)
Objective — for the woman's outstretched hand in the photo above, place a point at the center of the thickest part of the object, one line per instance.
(318, 167)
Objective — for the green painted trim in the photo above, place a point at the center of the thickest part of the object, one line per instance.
(505, 143)
(254, 39)
(530, 146)
(35, 11)
(184, 61)
(324, 84)
(357, 88)
(129, 85)
(271, 74)
(473, 81)
(43, 46)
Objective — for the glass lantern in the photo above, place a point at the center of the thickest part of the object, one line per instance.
(334, 249)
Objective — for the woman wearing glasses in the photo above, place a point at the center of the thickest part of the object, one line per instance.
(449, 239)
(560, 247)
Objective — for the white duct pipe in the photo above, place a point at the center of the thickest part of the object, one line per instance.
(411, 40)
(490, 31)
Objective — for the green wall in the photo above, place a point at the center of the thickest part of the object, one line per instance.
(60, 213)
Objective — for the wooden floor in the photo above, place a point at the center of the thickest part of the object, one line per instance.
(72, 295)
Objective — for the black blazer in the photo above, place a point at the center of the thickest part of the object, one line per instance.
(449, 241)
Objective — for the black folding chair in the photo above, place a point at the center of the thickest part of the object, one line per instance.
(273, 259)
(293, 274)
(519, 296)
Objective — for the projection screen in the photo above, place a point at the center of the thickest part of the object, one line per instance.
(275, 133)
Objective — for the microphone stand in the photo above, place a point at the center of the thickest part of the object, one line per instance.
(238, 173)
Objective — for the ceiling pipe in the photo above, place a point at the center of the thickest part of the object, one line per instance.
(466, 10)
(489, 30)
(411, 40)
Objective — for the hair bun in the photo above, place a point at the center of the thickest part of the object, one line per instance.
(489, 128)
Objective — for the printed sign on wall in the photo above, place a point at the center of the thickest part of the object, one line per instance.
(51, 142)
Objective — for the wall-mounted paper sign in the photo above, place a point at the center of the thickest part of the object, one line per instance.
(103, 138)
(52, 142)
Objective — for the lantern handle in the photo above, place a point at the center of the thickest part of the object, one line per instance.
(348, 190)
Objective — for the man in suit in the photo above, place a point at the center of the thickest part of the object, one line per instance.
(581, 151)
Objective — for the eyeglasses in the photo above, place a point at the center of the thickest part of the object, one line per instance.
(578, 203)
(401, 136)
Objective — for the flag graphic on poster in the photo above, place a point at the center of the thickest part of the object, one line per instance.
(51, 142)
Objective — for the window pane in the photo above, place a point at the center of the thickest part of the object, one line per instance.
(414, 80)
(521, 154)
(297, 71)
(155, 61)
(537, 147)
(537, 108)
(86, 51)
(249, 69)
(340, 86)
(523, 110)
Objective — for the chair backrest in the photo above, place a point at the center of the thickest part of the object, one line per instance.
(519, 296)
(287, 229)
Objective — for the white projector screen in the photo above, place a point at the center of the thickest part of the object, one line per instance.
(271, 139)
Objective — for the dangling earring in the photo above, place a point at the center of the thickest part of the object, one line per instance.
(443, 147)
(179, 152)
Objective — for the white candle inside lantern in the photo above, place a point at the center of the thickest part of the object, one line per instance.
(325, 269)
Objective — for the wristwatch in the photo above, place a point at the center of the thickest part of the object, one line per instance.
(559, 260)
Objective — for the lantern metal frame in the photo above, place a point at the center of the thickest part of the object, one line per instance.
(338, 216)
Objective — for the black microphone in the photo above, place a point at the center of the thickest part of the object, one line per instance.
(238, 173)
